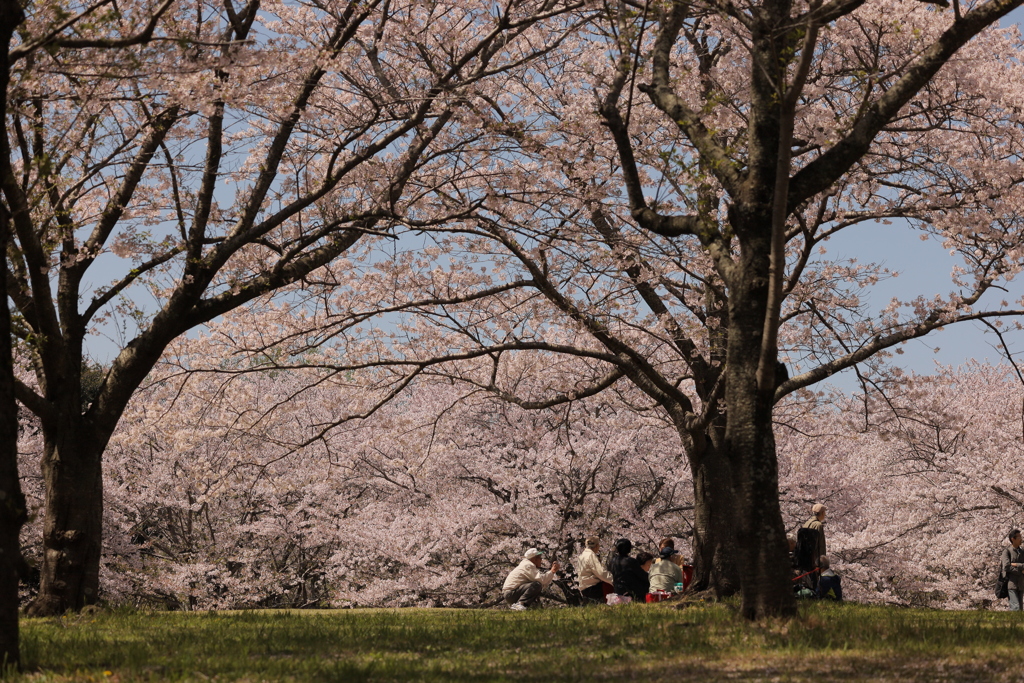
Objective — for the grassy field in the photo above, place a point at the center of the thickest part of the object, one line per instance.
(644, 642)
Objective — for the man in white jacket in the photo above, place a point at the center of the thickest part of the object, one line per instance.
(592, 572)
(525, 582)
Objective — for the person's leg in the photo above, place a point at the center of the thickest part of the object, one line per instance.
(594, 593)
(524, 595)
(1014, 599)
(513, 596)
(531, 592)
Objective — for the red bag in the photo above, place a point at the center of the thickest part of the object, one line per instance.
(687, 575)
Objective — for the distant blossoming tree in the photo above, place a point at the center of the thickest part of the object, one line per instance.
(157, 186)
(222, 492)
(672, 215)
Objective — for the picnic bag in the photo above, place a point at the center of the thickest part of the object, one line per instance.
(616, 599)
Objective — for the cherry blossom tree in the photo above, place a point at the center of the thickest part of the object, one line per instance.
(921, 479)
(223, 490)
(683, 244)
(646, 251)
(237, 152)
(12, 15)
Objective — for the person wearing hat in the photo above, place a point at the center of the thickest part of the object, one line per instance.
(665, 573)
(816, 523)
(523, 585)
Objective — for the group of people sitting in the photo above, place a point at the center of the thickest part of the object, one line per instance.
(622, 573)
(645, 573)
(627, 575)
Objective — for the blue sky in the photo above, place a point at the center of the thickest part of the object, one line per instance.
(924, 269)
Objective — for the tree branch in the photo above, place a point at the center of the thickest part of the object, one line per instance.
(820, 174)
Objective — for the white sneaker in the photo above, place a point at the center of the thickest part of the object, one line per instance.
(517, 607)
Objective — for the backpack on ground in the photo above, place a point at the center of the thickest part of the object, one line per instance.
(569, 585)
(806, 544)
(805, 593)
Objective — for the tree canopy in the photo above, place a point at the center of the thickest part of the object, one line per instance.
(645, 187)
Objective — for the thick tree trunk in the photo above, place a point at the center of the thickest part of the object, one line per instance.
(12, 517)
(12, 502)
(764, 567)
(72, 526)
(750, 444)
(714, 553)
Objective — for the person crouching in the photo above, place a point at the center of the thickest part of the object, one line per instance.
(829, 585)
(524, 584)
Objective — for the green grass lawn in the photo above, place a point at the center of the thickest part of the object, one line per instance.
(643, 642)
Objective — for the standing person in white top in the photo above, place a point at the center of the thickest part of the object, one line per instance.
(524, 583)
(592, 572)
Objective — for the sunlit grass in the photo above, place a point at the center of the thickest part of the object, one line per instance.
(653, 642)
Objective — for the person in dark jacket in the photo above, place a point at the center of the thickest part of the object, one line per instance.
(1012, 566)
(817, 526)
(645, 560)
(628, 576)
(829, 585)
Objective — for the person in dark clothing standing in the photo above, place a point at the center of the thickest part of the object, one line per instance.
(816, 524)
(628, 576)
(1011, 565)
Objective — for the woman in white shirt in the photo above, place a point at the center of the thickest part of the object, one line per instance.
(591, 572)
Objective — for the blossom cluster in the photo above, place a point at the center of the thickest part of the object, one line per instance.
(222, 490)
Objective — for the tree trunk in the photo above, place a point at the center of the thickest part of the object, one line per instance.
(72, 526)
(12, 503)
(750, 443)
(764, 567)
(12, 517)
(714, 566)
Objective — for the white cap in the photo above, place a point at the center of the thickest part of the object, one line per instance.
(532, 553)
